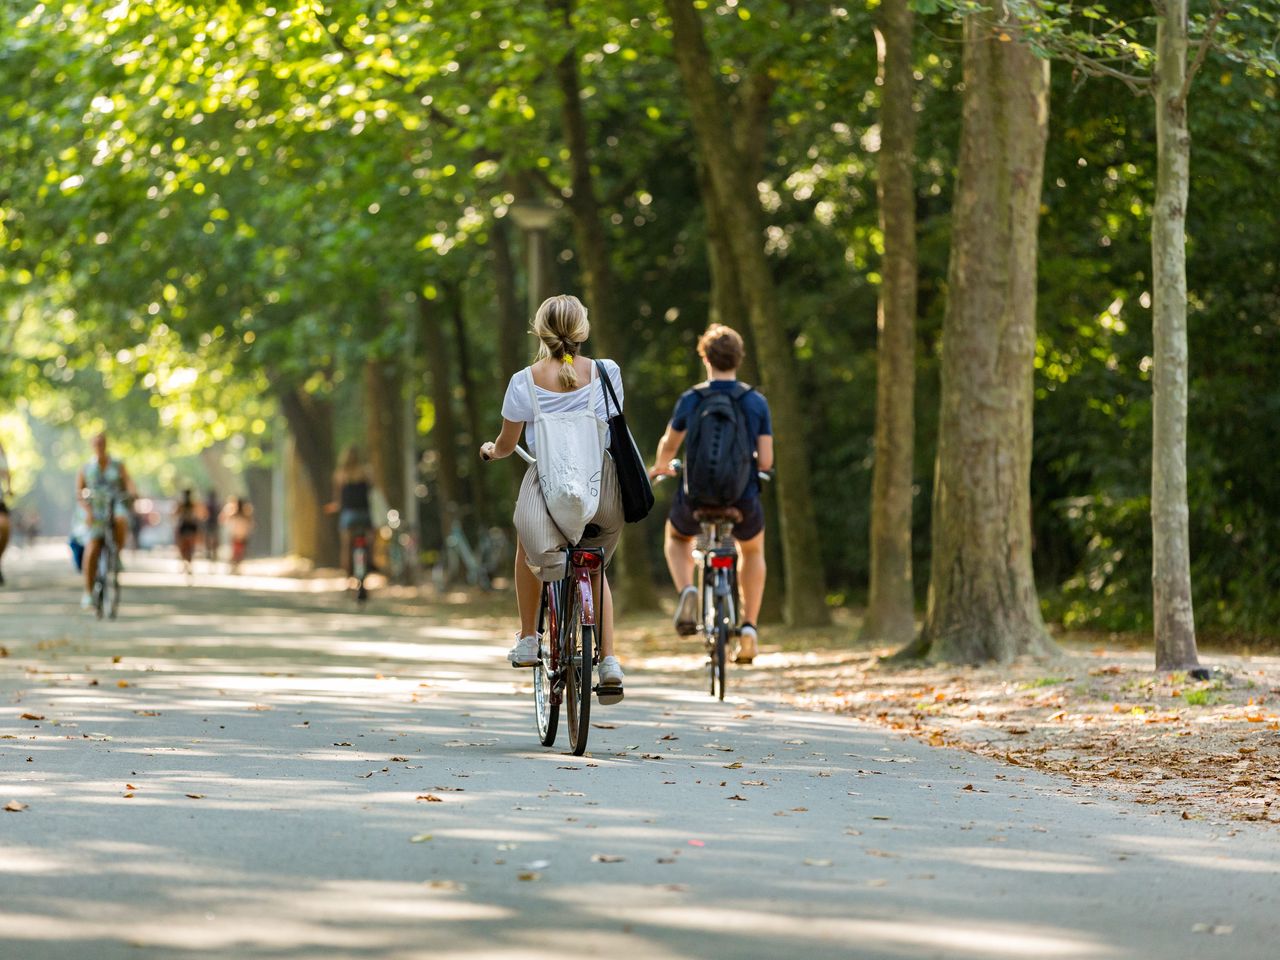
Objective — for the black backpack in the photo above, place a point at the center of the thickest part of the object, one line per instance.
(719, 448)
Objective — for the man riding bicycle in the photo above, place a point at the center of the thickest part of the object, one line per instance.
(98, 482)
(730, 434)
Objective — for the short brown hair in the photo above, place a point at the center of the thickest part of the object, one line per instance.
(721, 347)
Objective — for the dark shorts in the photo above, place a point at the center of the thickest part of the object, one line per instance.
(682, 519)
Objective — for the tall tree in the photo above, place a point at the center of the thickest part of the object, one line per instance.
(982, 593)
(1175, 630)
(739, 205)
(634, 585)
(891, 604)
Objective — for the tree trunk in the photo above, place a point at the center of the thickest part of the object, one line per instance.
(512, 328)
(310, 420)
(891, 604)
(475, 476)
(384, 428)
(1171, 557)
(633, 587)
(443, 437)
(739, 204)
(982, 593)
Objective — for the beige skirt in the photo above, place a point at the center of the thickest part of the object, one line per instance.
(544, 544)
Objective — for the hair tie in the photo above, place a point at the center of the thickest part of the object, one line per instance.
(566, 359)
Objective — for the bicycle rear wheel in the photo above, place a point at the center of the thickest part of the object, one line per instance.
(576, 655)
(112, 602)
(721, 652)
(546, 704)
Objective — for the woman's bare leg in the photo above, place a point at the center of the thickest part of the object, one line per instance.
(528, 593)
(604, 613)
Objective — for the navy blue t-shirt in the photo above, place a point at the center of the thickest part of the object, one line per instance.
(754, 406)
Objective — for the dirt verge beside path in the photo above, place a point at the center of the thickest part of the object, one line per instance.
(1098, 714)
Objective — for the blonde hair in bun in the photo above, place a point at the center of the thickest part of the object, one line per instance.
(561, 327)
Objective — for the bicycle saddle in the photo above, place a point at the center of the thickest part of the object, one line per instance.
(718, 515)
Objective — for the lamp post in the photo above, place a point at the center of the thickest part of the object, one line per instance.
(534, 218)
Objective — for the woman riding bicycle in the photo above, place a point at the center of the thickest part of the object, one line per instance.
(564, 381)
(186, 517)
(351, 500)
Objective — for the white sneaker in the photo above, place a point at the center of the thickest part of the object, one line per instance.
(686, 618)
(524, 653)
(86, 601)
(611, 677)
(747, 638)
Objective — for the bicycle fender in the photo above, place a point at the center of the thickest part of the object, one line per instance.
(586, 599)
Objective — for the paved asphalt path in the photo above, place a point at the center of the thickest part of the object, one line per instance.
(251, 769)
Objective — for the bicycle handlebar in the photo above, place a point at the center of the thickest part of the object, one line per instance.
(765, 476)
(525, 455)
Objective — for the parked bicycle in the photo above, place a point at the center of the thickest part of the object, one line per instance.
(568, 645)
(715, 557)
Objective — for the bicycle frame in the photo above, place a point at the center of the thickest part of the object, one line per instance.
(580, 563)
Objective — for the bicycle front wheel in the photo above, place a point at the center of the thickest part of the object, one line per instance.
(112, 601)
(576, 652)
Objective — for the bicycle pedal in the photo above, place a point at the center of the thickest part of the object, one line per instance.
(609, 695)
(686, 629)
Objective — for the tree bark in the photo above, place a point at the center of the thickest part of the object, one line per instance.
(891, 603)
(310, 420)
(982, 593)
(739, 204)
(1175, 631)
(443, 437)
(512, 346)
(475, 477)
(384, 428)
(633, 587)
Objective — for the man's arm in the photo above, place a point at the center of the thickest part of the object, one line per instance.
(668, 447)
(764, 452)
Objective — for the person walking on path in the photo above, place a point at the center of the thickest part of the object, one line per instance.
(721, 350)
(98, 481)
(560, 381)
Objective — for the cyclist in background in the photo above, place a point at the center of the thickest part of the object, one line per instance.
(237, 517)
(212, 513)
(351, 488)
(186, 518)
(747, 416)
(98, 480)
(6, 489)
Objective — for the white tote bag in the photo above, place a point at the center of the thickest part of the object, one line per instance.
(570, 450)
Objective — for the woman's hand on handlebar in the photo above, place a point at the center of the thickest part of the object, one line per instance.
(489, 451)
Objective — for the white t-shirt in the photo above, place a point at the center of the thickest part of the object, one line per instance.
(517, 405)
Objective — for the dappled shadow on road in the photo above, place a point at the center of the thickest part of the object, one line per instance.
(265, 774)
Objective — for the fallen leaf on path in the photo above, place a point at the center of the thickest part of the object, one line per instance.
(420, 838)
(130, 786)
(666, 860)
(606, 858)
(529, 875)
(32, 716)
(736, 765)
(364, 776)
(651, 756)
(796, 743)
(753, 783)
(719, 746)
(813, 862)
(122, 683)
(799, 809)
(879, 818)
(147, 713)
(452, 885)
(13, 806)
(196, 796)
(260, 707)
(668, 736)
(430, 798)
(873, 852)
(342, 743)
(605, 726)
(736, 797)
(399, 760)
(450, 789)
